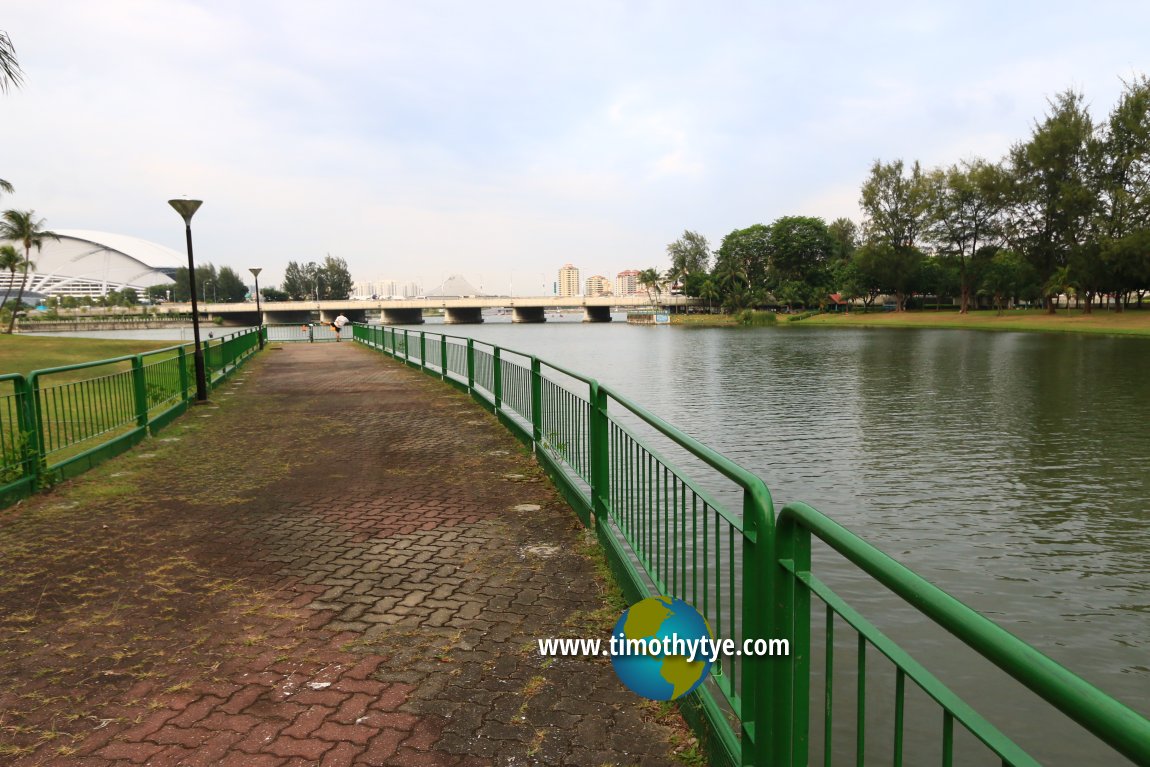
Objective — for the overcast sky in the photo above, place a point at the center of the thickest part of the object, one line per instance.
(500, 140)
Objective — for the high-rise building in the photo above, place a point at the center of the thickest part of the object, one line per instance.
(627, 283)
(597, 285)
(568, 280)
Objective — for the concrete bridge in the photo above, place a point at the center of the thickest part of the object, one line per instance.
(456, 311)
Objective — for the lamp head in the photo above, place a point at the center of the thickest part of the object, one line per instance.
(186, 208)
(256, 271)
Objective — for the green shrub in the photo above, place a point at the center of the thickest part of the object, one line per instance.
(757, 319)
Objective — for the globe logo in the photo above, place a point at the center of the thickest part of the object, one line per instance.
(652, 645)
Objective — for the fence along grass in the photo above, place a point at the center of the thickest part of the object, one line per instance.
(58, 422)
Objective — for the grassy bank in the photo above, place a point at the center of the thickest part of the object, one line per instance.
(745, 318)
(23, 354)
(1130, 322)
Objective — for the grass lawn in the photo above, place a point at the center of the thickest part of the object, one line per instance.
(25, 353)
(1129, 322)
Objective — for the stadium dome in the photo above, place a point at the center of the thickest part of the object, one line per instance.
(85, 263)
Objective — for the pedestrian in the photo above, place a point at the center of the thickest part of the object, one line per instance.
(338, 323)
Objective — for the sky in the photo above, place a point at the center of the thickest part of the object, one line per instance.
(501, 140)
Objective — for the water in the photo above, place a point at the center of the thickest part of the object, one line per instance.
(1013, 470)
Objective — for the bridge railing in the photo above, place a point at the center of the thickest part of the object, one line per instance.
(710, 537)
(58, 422)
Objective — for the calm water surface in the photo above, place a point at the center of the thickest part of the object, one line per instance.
(1011, 469)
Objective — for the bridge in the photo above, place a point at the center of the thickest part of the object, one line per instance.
(409, 311)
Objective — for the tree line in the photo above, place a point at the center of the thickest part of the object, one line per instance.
(1065, 212)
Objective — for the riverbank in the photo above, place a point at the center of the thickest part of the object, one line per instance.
(1130, 322)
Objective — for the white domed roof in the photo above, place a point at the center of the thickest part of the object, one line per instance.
(88, 263)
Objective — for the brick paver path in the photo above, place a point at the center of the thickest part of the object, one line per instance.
(324, 566)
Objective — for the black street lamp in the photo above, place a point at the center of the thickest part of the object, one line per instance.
(187, 209)
(256, 273)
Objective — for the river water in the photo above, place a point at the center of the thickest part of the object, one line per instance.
(1011, 469)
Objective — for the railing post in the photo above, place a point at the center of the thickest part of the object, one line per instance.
(140, 390)
(423, 350)
(470, 366)
(205, 348)
(770, 713)
(496, 378)
(599, 436)
(536, 401)
(182, 358)
(791, 676)
(443, 356)
(28, 420)
(310, 333)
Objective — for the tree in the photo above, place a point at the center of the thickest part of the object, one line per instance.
(649, 278)
(6, 187)
(206, 279)
(1123, 173)
(886, 269)
(845, 234)
(1006, 276)
(336, 279)
(230, 287)
(966, 214)
(798, 265)
(272, 294)
(23, 227)
(690, 254)
(300, 280)
(9, 260)
(897, 207)
(10, 72)
(1050, 197)
(709, 292)
(741, 266)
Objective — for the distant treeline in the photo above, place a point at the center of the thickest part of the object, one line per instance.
(1065, 212)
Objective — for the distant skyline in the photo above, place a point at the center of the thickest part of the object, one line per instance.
(502, 140)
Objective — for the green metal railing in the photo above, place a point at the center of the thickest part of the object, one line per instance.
(749, 573)
(59, 422)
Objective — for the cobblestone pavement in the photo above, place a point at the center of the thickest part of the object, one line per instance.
(334, 562)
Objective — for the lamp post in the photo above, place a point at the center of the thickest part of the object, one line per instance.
(187, 209)
(256, 273)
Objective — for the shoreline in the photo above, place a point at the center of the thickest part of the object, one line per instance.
(1132, 322)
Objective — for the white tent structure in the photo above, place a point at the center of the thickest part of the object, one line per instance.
(86, 263)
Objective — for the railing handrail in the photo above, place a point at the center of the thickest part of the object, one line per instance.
(1109, 719)
(36, 374)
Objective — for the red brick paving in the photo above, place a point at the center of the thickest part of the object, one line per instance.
(322, 567)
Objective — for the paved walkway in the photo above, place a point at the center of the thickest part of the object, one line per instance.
(324, 566)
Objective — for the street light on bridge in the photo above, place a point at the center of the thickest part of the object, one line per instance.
(187, 208)
(256, 273)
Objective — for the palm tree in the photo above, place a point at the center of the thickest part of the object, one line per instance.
(710, 293)
(10, 73)
(649, 278)
(22, 226)
(10, 261)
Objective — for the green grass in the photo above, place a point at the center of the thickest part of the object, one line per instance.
(25, 353)
(1130, 322)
